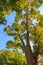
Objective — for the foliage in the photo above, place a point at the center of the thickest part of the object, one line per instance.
(9, 57)
(6, 6)
(26, 27)
(18, 29)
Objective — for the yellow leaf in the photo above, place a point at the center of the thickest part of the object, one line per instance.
(9, 11)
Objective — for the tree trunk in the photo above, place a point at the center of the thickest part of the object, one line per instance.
(29, 57)
(30, 60)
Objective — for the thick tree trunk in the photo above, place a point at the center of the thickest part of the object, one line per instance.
(29, 57)
(30, 60)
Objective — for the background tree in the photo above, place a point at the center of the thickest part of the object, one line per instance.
(9, 57)
(24, 29)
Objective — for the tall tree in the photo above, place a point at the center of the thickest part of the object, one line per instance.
(27, 27)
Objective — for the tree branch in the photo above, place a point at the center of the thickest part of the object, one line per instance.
(27, 34)
(27, 26)
(23, 44)
(36, 52)
(35, 35)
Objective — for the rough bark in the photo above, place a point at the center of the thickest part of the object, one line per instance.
(29, 57)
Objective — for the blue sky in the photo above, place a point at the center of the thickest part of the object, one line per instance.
(3, 35)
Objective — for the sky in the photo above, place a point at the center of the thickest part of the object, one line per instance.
(3, 35)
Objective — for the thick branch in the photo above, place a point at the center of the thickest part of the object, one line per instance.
(23, 44)
(36, 52)
(27, 26)
(27, 34)
(35, 55)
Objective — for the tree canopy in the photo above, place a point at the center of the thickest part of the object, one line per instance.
(9, 57)
(27, 27)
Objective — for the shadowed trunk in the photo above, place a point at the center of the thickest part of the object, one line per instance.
(32, 58)
(29, 57)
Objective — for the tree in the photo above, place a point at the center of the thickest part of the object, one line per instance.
(9, 57)
(24, 28)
